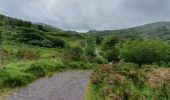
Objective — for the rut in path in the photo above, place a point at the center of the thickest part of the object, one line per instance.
(68, 85)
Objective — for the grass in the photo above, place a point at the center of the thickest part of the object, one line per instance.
(90, 94)
(23, 72)
(20, 68)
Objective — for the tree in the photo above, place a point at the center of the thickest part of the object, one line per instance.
(110, 43)
(145, 52)
(109, 51)
(90, 47)
(112, 55)
(99, 39)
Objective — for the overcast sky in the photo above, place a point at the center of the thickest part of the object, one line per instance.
(84, 15)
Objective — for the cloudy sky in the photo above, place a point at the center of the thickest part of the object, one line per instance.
(84, 15)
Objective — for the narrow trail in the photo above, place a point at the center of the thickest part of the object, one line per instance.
(68, 85)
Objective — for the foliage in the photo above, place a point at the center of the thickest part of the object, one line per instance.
(109, 51)
(37, 70)
(110, 43)
(14, 78)
(145, 52)
(110, 83)
(99, 39)
(112, 55)
(39, 38)
(90, 47)
(100, 60)
(79, 65)
(76, 52)
(27, 54)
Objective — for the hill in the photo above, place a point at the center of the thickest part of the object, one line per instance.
(159, 29)
(16, 30)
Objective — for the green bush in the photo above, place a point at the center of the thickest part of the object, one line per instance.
(1, 83)
(90, 47)
(37, 70)
(99, 39)
(100, 60)
(110, 43)
(57, 42)
(145, 52)
(79, 65)
(76, 52)
(112, 55)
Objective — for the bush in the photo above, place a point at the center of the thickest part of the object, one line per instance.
(1, 83)
(145, 52)
(110, 43)
(57, 42)
(90, 47)
(76, 52)
(99, 39)
(112, 55)
(37, 70)
(100, 60)
(79, 65)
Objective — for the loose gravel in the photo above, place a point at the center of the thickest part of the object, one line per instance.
(68, 85)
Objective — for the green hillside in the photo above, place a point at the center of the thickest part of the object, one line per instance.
(158, 30)
(17, 30)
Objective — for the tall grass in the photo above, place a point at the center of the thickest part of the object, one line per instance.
(22, 73)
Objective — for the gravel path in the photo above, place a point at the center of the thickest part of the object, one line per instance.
(68, 85)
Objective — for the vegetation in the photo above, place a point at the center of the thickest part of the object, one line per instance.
(30, 51)
(123, 81)
(110, 52)
(90, 47)
(145, 52)
(128, 77)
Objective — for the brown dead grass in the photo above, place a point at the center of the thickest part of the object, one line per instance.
(158, 77)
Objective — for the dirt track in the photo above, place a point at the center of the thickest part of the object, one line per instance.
(68, 85)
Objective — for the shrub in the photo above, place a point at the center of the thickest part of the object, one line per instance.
(110, 43)
(145, 52)
(100, 60)
(37, 70)
(79, 65)
(99, 39)
(1, 83)
(57, 42)
(44, 43)
(112, 55)
(76, 52)
(90, 47)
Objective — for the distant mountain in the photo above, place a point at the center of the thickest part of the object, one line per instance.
(159, 29)
(50, 26)
(152, 30)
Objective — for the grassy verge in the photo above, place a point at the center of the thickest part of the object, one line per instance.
(21, 73)
(90, 94)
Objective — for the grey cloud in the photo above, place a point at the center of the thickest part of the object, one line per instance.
(83, 15)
